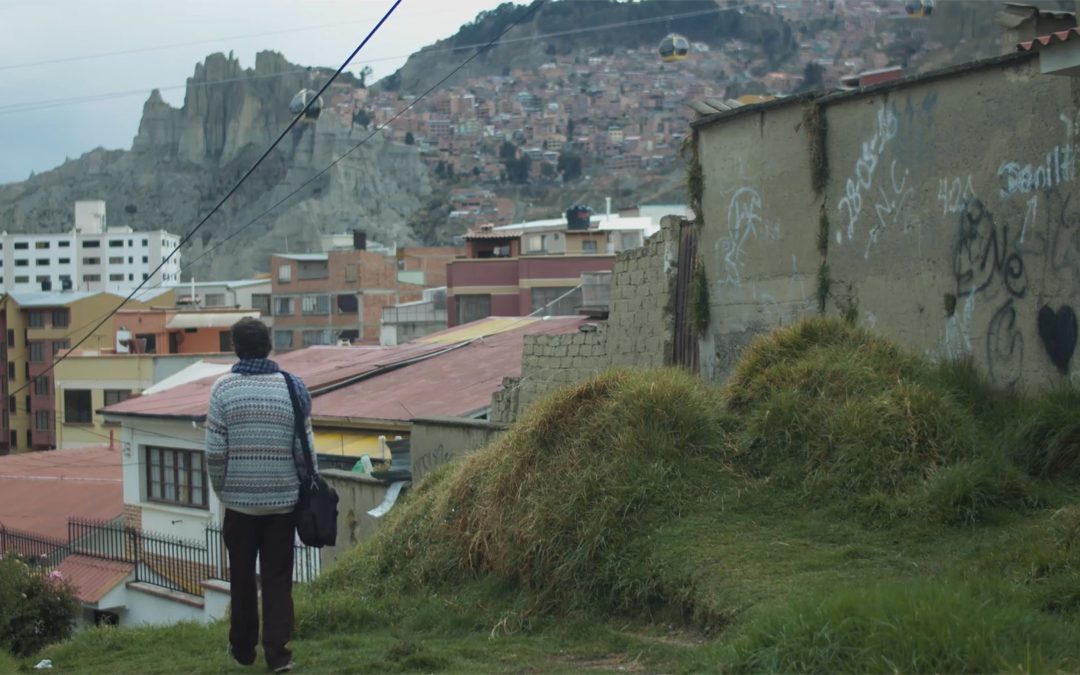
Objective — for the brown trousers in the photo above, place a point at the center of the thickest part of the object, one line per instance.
(270, 539)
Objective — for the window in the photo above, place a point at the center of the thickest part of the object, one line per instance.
(78, 406)
(65, 261)
(60, 345)
(535, 243)
(588, 246)
(347, 304)
(41, 245)
(314, 269)
(314, 338)
(316, 304)
(11, 337)
(630, 240)
(116, 260)
(35, 319)
(225, 341)
(261, 303)
(43, 278)
(473, 307)
(116, 395)
(60, 318)
(44, 262)
(116, 277)
(22, 279)
(145, 259)
(11, 370)
(29, 438)
(91, 261)
(11, 403)
(41, 420)
(147, 343)
(350, 273)
(176, 476)
(215, 299)
(22, 262)
(28, 406)
(64, 244)
(284, 273)
(88, 278)
(41, 386)
(145, 242)
(116, 243)
(37, 352)
(283, 306)
(91, 243)
(131, 260)
(14, 441)
(22, 245)
(283, 339)
(551, 301)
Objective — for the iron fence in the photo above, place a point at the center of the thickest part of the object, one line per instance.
(306, 561)
(37, 551)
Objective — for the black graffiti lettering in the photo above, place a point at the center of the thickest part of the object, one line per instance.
(982, 254)
(1004, 345)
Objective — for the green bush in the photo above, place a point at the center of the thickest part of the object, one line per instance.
(36, 609)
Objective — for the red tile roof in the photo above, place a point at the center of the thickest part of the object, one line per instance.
(93, 578)
(39, 491)
(458, 378)
(1046, 40)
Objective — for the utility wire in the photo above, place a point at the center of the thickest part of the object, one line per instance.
(229, 194)
(29, 106)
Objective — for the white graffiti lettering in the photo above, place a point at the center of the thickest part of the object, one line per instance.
(743, 219)
(889, 208)
(852, 201)
(955, 194)
(1059, 166)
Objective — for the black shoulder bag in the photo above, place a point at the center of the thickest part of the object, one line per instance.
(316, 511)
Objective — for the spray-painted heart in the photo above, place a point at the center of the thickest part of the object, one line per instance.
(1058, 333)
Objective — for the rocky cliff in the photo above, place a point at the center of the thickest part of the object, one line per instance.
(184, 160)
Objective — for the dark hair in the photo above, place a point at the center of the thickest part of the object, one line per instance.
(251, 338)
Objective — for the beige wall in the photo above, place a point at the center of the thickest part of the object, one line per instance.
(437, 440)
(949, 219)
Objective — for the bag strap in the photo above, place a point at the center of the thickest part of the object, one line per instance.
(301, 427)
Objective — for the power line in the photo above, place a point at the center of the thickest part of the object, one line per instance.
(229, 194)
(30, 106)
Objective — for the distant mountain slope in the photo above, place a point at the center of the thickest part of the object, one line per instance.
(183, 160)
(640, 24)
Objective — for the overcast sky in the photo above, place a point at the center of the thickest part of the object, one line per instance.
(76, 34)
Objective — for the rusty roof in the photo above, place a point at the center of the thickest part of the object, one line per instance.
(39, 491)
(347, 382)
(455, 383)
(93, 578)
(1047, 40)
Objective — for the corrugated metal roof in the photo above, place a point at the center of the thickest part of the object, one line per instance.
(39, 491)
(306, 257)
(207, 319)
(457, 383)
(93, 578)
(1047, 40)
(453, 382)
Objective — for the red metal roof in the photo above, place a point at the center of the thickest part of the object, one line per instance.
(39, 491)
(455, 382)
(93, 578)
(1046, 40)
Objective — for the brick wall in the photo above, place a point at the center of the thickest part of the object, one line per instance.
(133, 516)
(637, 334)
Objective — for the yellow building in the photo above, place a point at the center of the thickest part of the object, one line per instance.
(38, 328)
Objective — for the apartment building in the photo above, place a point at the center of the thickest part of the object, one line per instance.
(38, 327)
(325, 298)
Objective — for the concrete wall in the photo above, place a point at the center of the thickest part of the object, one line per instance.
(638, 332)
(437, 440)
(358, 494)
(948, 219)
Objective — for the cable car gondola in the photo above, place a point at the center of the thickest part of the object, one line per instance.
(300, 101)
(917, 9)
(674, 47)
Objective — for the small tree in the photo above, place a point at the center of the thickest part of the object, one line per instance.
(36, 609)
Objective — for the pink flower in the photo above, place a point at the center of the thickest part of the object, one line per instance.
(55, 575)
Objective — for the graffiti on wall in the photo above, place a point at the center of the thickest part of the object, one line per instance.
(851, 204)
(744, 222)
(1057, 330)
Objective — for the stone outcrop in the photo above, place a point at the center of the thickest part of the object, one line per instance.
(183, 160)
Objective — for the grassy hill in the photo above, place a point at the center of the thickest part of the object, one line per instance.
(838, 506)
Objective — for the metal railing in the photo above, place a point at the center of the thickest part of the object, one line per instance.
(39, 552)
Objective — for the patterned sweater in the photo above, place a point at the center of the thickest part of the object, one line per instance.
(252, 451)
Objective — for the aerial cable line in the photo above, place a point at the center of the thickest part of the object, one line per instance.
(229, 194)
(536, 6)
(29, 106)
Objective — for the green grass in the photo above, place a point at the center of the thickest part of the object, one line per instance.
(837, 506)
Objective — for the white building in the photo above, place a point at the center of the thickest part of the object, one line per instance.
(92, 257)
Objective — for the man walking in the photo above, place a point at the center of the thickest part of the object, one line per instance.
(253, 456)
